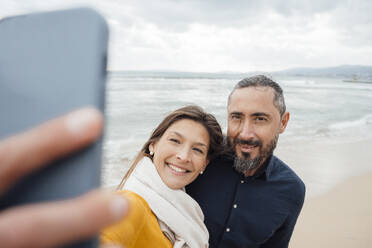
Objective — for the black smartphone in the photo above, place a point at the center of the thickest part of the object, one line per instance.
(52, 63)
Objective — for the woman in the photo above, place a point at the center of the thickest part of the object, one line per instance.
(161, 213)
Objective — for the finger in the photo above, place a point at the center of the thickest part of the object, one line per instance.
(51, 224)
(39, 146)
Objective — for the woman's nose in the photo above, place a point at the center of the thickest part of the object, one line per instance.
(183, 154)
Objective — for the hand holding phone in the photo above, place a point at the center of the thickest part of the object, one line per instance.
(50, 64)
(54, 223)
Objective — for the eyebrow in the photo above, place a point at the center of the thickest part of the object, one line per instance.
(260, 114)
(236, 113)
(256, 114)
(181, 136)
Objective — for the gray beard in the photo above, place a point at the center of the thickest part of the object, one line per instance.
(246, 163)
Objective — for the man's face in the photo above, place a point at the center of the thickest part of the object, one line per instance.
(254, 125)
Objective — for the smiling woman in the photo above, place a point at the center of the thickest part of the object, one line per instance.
(161, 213)
(181, 153)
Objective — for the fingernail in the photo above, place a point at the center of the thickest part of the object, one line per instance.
(118, 207)
(79, 120)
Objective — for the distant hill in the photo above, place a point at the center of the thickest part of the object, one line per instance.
(180, 74)
(343, 71)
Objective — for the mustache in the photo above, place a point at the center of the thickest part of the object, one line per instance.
(250, 142)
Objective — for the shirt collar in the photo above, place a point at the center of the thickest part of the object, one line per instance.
(265, 170)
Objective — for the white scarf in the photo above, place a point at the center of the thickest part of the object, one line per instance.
(180, 217)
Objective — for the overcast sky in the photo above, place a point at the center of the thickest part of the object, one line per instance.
(221, 35)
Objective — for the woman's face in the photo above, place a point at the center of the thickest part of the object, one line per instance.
(181, 153)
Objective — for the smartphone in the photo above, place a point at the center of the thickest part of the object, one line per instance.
(52, 63)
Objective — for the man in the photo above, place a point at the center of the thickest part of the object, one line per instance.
(55, 223)
(249, 197)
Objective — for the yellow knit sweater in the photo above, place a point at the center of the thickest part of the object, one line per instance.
(139, 229)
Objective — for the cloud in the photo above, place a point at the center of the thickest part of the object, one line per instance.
(180, 14)
(354, 23)
(214, 35)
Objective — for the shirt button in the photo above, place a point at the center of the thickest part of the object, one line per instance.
(235, 205)
(227, 229)
(242, 181)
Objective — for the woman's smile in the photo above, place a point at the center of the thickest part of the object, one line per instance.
(176, 168)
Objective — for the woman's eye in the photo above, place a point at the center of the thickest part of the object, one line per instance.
(174, 140)
(198, 150)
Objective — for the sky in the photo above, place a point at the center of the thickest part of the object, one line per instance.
(226, 36)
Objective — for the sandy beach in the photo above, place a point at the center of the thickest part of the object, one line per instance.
(337, 209)
(340, 218)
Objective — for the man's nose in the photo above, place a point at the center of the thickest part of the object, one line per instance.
(246, 131)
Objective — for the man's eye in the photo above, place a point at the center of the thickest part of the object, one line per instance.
(260, 119)
(235, 117)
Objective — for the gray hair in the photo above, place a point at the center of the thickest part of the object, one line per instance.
(263, 81)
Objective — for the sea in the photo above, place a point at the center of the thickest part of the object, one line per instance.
(325, 110)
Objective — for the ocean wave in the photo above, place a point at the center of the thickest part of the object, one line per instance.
(121, 151)
(356, 129)
(365, 120)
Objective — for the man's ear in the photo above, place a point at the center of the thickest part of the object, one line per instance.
(283, 122)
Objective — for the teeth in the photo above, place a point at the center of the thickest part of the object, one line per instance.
(176, 168)
(249, 147)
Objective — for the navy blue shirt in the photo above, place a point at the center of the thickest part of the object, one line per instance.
(257, 211)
